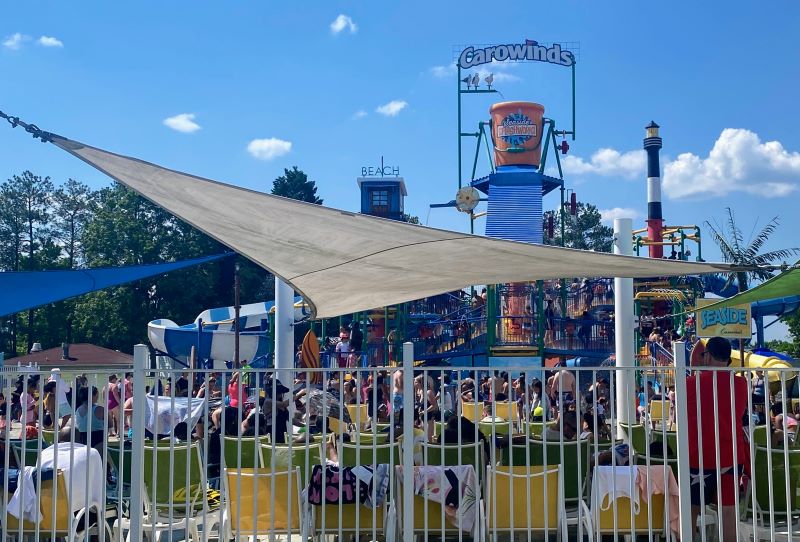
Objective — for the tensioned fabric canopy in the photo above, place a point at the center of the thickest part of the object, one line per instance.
(342, 262)
(27, 289)
(785, 285)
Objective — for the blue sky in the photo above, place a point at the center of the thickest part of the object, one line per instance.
(308, 84)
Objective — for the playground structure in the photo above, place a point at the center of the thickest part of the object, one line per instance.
(538, 323)
(509, 322)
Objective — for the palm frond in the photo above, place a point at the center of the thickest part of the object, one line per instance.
(728, 252)
(734, 233)
(774, 256)
(763, 236)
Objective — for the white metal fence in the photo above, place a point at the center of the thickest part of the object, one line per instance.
(384, 454)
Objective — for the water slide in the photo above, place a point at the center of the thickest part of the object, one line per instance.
(212, 334)
(765, 361)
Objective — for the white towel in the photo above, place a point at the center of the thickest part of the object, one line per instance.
(615, 482)
(162, 414)
(84, 464)
(23, 503)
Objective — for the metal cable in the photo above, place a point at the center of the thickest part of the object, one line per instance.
(35, 131)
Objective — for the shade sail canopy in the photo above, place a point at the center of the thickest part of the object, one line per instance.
(785, 285)
(342, 262)
(28, 289)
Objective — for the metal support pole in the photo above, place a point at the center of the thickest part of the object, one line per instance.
(236, 308)
(623, 325)
(458, 83)
(408, 442)
(386, 336)
(284, 331)
(140, 356)
(573, 101)
(490, 309)
(687, 529)
(563, 282)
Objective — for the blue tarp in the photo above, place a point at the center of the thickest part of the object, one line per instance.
(24, 290)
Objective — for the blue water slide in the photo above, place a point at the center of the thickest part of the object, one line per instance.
(780, 306)
(718, 285)
(212, 333)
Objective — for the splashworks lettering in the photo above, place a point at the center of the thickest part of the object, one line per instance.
(530, 50)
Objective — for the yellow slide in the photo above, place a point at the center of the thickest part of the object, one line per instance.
(755, 361)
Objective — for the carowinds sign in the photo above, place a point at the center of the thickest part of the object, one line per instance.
(530, 51)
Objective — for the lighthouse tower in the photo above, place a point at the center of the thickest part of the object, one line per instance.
(655, 218)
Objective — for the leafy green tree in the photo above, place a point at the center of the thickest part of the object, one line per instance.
(295, 184)
(584, 230)
(33, 193)
(793, 323)
(785, 347)
(73, 207)
(12, 229)
(735, 250)
(126, 229)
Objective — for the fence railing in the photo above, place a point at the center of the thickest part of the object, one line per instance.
(383, 453)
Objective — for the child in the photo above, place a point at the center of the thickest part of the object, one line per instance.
(28, 404)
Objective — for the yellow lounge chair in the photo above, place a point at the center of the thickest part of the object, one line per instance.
(267, 504)
(522, 500)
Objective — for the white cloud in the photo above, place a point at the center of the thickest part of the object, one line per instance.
(182, 123)
(608, 163)
(267, 149)
(49, 41)
(608, 215)
(391, 109)
(360, 114)
(501, 71)
(499, 77)
(738, 162)
(448, 70)
(14, 41)
(343, 22)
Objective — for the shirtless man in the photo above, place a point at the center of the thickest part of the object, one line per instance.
(498, 385)
(562, 386)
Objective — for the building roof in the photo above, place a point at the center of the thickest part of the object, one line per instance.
(81, 355)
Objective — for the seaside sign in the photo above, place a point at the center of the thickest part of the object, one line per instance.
(729, 322)
(530, 51)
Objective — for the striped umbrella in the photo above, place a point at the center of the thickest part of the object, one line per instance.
(309, 356)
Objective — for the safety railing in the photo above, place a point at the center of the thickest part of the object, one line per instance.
(388, 453)
(586, 334)
(440, 305)
(517, 331)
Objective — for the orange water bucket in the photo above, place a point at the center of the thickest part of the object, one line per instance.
(517, 133)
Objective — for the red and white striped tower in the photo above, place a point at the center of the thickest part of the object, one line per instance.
(655, 218)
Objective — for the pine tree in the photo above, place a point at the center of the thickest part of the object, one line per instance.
(584, 230)
(295, 184)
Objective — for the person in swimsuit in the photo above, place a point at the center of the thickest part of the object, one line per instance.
(397, 391)
(112, 392)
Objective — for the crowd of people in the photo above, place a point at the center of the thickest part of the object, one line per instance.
(55, 404)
